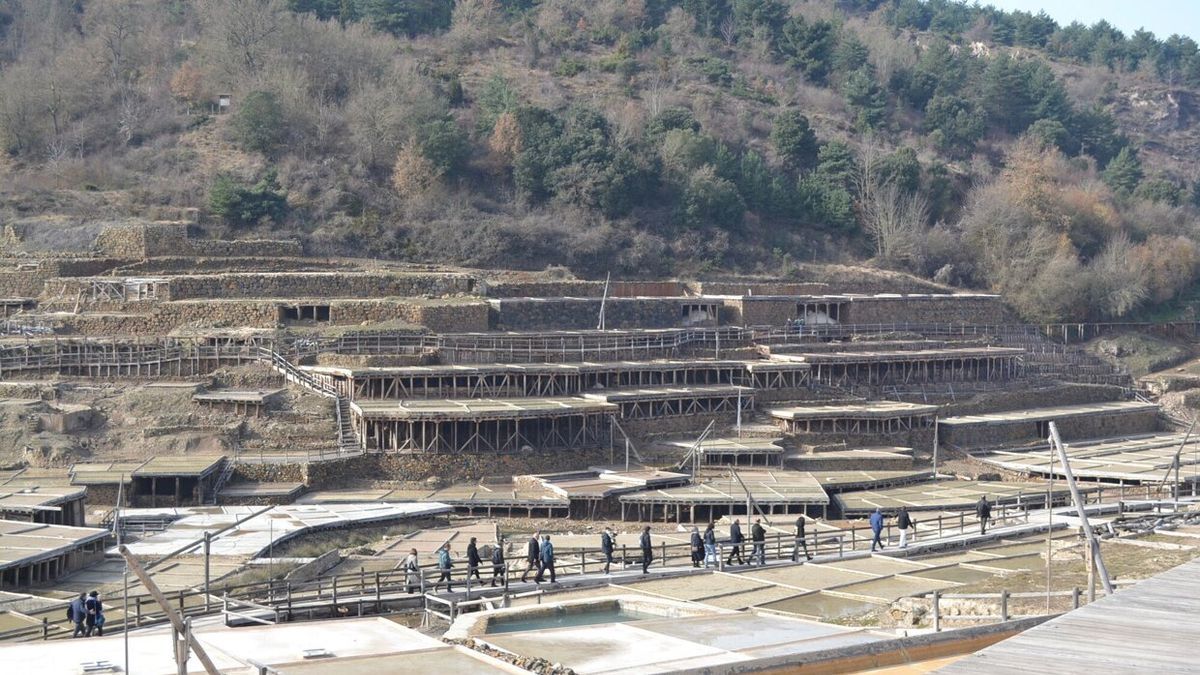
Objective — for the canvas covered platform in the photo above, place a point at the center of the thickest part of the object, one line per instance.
(360, 646)
(954, 495)
(175, 480)
(551, 379)
(503, 497)
(1134, 459)
(646, 404)
(717, 493)
(41, 496)
(872, 417)
(240, 401)
(482, 425)
(736, 451)
(34, 552)
(875, 368)
(261, 528)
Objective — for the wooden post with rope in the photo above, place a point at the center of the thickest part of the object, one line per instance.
(183, 640)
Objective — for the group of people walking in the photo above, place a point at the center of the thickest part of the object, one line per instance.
(540, 557)
(908, 525)
(87, 613)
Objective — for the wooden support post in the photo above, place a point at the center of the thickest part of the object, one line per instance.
(937, 611)
(176, 621)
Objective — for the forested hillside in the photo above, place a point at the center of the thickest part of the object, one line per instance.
(644, 137)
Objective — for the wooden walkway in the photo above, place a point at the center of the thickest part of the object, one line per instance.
(1153, 627)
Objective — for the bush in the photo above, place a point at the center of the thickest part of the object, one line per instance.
(569, 67)
(243, 205)
(711, 200)
(259, 123)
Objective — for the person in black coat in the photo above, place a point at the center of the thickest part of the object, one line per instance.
(95, 614)
(533, 557)
(903, 522)
(758, 533)
(498, 563)
(473, 559)
(984, 511)
(801, 541)
(647, 551)
(735, 542)
(608, 542)
(697, 547)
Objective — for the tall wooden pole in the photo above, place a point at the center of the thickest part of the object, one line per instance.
(176, 621)
(1093, 542)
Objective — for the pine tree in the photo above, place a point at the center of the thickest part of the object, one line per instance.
(1124, 172)
(794, 141)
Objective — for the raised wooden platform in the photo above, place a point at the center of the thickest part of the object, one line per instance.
(1152, 627)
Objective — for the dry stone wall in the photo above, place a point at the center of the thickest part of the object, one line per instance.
(319, 285)
(149, 240)
(401, 467)
(444, 316)
(1089, 426)
(972, 309)
(584, 313)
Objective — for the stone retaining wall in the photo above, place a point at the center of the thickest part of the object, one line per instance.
(759, 288)
(403, 467)
(319, 285)
(926, 309)
(1025, 398)
(436, 315)
(776, 311)
(543, 289)
(584, 313)
(148, 240)
(1072, 428)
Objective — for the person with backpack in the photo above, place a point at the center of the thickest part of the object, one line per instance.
(984, 511)
(444, 565)
(95, 614)
(759, 534)
(412, 572)
(710, 545)
(498, 563)
(608, 542)
(905, 521)
(547, 553)
(76, 614)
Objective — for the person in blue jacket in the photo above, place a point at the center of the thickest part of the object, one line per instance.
(444, 564)
(547, 553)
(876, 521)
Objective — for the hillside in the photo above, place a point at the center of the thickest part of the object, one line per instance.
(643, 137)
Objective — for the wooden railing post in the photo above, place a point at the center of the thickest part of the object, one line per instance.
(1004, 605)
(937, 611)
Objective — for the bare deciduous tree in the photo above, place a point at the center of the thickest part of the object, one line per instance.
(892, 217)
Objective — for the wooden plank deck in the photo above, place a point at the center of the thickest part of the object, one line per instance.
(1152, 627)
